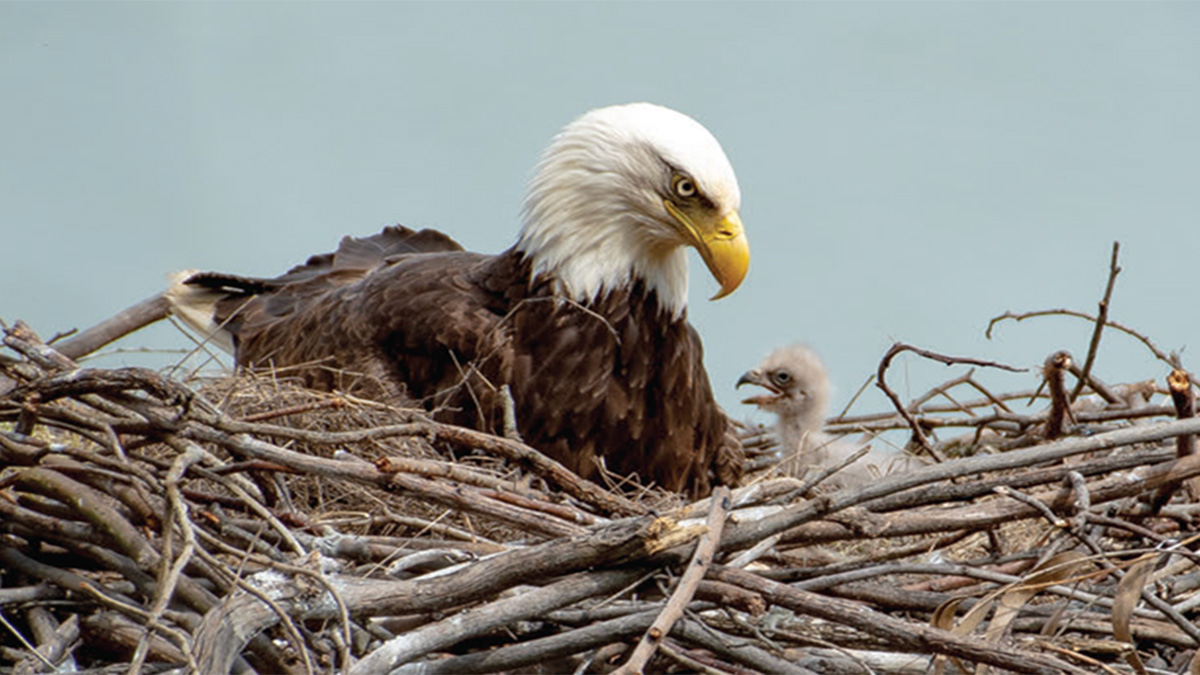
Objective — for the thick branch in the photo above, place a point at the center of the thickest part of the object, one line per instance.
(146, 312)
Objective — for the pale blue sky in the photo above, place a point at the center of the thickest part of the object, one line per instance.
(908, 170)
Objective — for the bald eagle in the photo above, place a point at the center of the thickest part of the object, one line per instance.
(584, 318)
(797, 392)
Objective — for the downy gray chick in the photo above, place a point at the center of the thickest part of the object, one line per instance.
(797, 392)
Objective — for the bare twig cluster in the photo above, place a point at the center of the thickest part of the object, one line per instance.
(148, 524)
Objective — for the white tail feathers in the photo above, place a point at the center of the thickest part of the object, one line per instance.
(196, 307)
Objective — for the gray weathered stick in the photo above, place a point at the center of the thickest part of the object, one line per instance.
(685, 588)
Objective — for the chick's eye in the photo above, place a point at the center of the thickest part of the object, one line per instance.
(781, 377)
(684, 187)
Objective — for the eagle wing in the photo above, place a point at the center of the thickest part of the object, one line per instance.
(311, 322)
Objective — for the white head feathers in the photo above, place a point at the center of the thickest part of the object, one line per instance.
(594, 214)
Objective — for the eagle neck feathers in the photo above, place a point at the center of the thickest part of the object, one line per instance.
(586, 264)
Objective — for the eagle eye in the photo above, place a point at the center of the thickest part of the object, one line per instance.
(781, 377)
(684, 187)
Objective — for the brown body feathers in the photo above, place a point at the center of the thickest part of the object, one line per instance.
(409, 314)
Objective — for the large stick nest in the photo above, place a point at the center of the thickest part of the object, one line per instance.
(245, 523)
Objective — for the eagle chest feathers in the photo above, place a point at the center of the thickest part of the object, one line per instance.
(583, 318)
(603, 383)
(633, 386)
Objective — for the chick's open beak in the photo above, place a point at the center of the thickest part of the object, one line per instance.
(756, 377)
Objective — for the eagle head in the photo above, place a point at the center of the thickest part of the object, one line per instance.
(620, 193)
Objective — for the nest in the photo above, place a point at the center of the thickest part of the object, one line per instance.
(148, 524)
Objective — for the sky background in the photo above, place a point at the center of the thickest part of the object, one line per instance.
(908, 169)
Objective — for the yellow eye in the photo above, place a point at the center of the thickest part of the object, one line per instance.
(684, 187)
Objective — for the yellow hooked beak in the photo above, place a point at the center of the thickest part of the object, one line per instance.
(721, 243)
